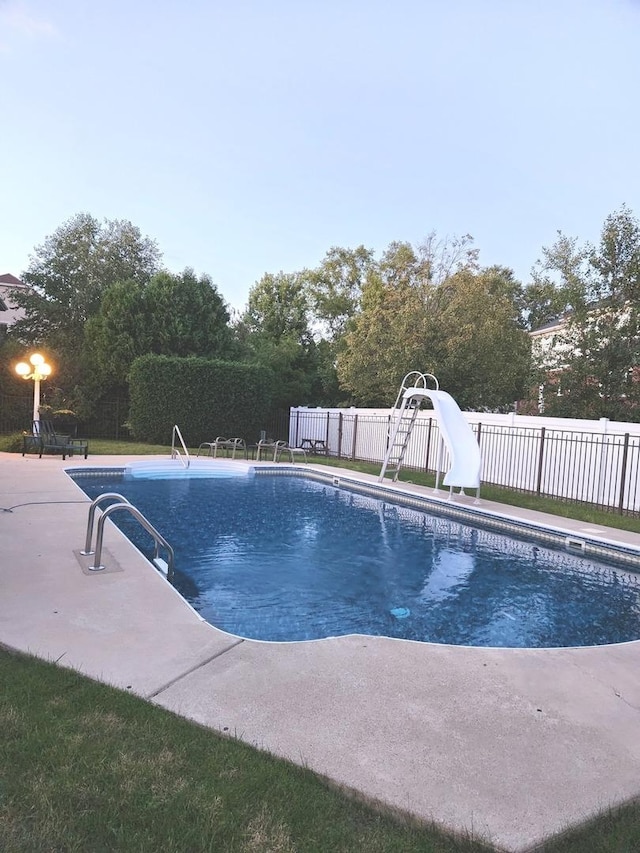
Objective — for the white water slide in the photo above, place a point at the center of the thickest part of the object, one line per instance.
(455, 432)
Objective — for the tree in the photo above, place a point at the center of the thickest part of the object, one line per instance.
(188, 316)
(396, 329)
(277, 307)
(485, 353)
(274, 331)
(68, 275)
(542, 302)
(387, 339)
(178, 315)
(335, 287)
(118, 334)
(430, 308)
(448, 255)
(594, 362)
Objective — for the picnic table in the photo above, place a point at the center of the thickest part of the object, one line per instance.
(315, 445)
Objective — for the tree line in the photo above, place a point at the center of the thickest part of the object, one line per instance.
(346, 331)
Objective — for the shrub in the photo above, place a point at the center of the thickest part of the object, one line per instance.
(11, 443)
(205, 398)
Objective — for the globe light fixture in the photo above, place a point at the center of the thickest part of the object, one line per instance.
(37, 369)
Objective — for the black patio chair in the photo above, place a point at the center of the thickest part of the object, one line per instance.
(45, 439)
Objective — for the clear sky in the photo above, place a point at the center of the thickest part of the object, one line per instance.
(250, 136)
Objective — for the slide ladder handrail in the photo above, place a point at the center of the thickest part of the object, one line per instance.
(183, 455)
(407, 408)
(420, 381)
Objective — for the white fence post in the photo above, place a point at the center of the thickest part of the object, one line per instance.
(604, 423)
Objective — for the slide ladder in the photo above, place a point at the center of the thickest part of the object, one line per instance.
(406, 408)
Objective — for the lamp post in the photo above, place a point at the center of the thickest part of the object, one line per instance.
(37, 369)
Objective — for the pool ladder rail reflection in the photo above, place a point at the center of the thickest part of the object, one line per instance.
(166, 567)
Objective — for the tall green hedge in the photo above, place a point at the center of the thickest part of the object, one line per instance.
(204, 398)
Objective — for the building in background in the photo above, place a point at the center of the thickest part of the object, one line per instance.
(9, 313)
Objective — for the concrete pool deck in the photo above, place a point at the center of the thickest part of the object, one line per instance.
(512, 745)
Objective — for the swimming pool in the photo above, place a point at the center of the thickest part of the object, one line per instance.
(290, 558)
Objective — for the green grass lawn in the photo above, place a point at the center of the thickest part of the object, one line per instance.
(86, 768)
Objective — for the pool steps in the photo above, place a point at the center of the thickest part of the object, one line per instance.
(168, 469)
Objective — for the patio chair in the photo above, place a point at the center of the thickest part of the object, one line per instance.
(45, 439)
(283, 447)
(235, 445)
(265, 445)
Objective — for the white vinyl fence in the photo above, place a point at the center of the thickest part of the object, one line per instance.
(596, 462)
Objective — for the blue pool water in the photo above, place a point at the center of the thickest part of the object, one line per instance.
(287, 558)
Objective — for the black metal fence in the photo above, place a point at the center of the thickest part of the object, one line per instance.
(15, 414)
(573, 466)
(276, 426)
(109, 420)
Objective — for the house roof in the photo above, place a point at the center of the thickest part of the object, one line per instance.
(549, 326)
(7, 278)
(10, 312)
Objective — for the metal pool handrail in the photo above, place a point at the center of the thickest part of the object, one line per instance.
(107, 496)
(166, 567)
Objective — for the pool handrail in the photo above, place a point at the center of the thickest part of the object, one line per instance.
(175, 452)
(158, 539)
(107, 496)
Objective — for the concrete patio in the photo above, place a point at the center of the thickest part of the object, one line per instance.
(511, 745)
